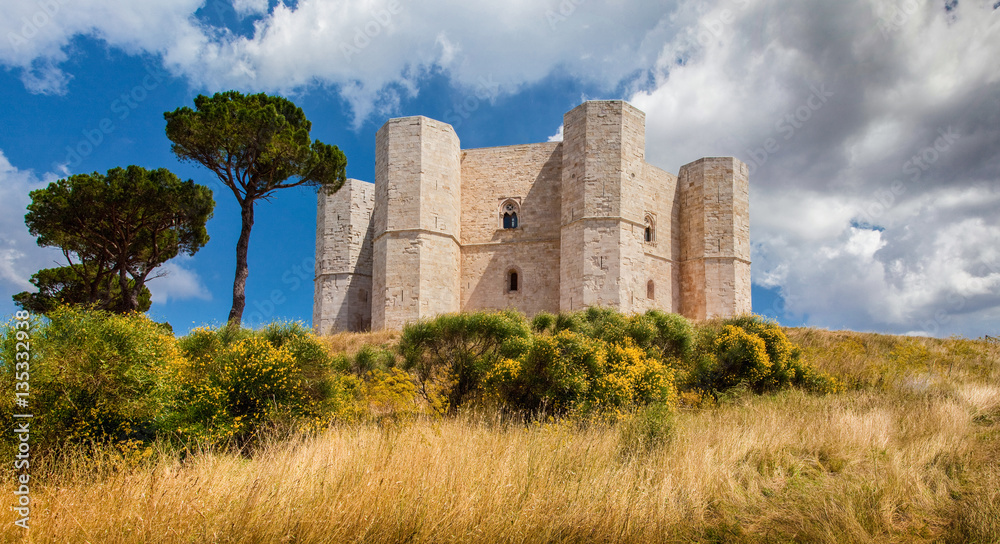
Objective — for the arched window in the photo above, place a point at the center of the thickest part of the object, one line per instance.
(650, 290)
(508, 214)
(649, 233)
(512, 281)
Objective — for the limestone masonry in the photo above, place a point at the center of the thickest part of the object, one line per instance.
(550, 227)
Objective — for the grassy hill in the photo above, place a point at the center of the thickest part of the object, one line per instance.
(907, 450)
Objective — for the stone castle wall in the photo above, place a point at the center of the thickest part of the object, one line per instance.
(530, 176)
(417, 257)
(715, 248)
(437, 243)
(343, 285)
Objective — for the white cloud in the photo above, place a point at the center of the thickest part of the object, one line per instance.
(871, 133)
(20, 256)
(249, 7)
(35, 36)
(176, 282)
(371, 51)
(871, 146)
(558, 136)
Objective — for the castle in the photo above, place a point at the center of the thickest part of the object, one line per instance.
(553, 227)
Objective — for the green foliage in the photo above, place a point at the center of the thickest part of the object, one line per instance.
(555, 373)
(234, 381)
(114, 230)
(95, 377)
(451, 354)
(255, 144)
(584, 362)
(543, 322)
(122, 379)
(372, 358)
(647, 428)
(750, 352)
(63, 286)
(674, 335)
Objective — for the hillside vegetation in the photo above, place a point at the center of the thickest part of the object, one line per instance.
(491, 428)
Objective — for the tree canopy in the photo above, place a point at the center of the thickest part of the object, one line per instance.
(255, 144)
(114, 230)
(63, 285)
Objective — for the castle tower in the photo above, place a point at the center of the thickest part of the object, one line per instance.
(342, 296)
(417, 253)
(602, 208)
(715, 238)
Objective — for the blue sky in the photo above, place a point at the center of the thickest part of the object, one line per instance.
(872, 128)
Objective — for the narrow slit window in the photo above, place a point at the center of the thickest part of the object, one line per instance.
(650, 290)
(512, 284)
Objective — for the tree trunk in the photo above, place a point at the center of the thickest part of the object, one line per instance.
(127, 302)
(242, 271)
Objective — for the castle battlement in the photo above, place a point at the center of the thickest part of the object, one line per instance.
(555, 226)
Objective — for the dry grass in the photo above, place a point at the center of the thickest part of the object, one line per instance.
(349, 343)
(909, 455)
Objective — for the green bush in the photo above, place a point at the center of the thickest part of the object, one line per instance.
(750, 352)
(554, 374)
(451, 354)
(543, 322)
(674, 334)
(570, 371)
(646, 429)
(95, 377)
(372, 358)
(235, 381)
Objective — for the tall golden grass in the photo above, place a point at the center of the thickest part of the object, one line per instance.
(908, 454)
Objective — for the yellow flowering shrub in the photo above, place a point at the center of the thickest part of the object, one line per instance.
(572, 372)
(633, 378)
(390, 393)
(451, 355)
(235, 380)
(95, 377)
(742, 357)
(753, 353)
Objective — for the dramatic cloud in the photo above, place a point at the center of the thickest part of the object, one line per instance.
(871, 132)
(372, 52)
(871, 127)
(35, 37)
